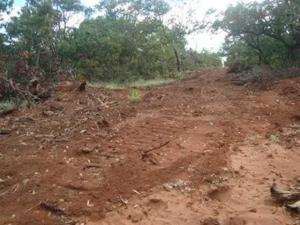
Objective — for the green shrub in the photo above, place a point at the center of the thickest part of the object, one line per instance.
(7, 107)
(135, 95)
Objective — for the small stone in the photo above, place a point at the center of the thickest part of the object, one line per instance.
(48, 113)
(155, 200)
(25, 181)
(87, 150)
(135, 218)
(253, 210)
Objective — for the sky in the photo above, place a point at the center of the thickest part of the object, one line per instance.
(180, 10)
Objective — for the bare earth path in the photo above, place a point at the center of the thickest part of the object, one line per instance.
(198, 151)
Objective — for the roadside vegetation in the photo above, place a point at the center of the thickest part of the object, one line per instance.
(118, 42)
(260, 33)
(129, 42)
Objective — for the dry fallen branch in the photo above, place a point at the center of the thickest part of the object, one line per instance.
(294, 207)
(282, 195)
(290, 198)
(52, 208)
(82, 86)
(156, 147)
(30, 94)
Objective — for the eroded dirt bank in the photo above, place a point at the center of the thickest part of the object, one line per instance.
(198, 151)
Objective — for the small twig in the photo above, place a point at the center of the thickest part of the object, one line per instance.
(35, 206)
(91, 166)
(52, 208)
(157, 147)
(125, 202)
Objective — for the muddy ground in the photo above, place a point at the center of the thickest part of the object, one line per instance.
(196, 151)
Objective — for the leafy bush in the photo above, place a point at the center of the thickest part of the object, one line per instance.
(7, 107)
(128, 41)
(265, 32)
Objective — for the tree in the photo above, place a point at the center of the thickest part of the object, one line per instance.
(5, 5)
(66, 9)
(40, 30)
(148, 9)
(204, 59)
(269, 28)
(33, 32)
(128, 41)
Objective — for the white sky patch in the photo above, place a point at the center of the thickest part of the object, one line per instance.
(90, 3)
(14, 12)
(195, 10)
(76, 20)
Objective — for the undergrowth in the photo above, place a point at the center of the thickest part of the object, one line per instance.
(141, 83)
(7, 107)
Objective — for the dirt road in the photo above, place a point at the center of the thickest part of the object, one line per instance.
(197, 151)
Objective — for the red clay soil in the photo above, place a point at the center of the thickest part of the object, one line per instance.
(197, 151)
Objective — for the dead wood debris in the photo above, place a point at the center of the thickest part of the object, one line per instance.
(82, 86)
(34, 91)
(91, 166)
(294, 207)
(155, 148)
(290, 198)
(283, 195)
(53, 208)
(4, 131)
(148, 156)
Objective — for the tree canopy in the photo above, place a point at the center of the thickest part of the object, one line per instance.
(127, 40)
(262, 32)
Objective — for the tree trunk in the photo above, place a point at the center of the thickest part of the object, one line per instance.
(37, 62)
(296, 50)
(177, 60)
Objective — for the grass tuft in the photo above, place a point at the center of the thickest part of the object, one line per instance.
(7, 107)
(135, 95)
(274, 138)
(141, 83)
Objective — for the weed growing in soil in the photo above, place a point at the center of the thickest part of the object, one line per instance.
(274, 138)
(7, 106)
(135, 95)
(138, 83)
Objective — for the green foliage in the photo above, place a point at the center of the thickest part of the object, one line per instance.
(261, 33)
(275, 138)
(140, 83)
(5, 5)
(204, 59)
(108, 49)
(33, 34)
(128, 41)
(135, 95)
(6, 107)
